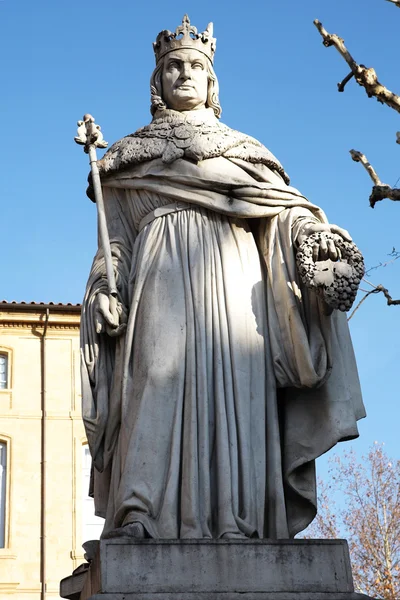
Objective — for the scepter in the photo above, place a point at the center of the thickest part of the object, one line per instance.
(90, 136)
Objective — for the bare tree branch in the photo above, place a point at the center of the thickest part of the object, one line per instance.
(360, 157)
(359, 304)
(380, 288)
(380, 191)
(340, 86)
(365, 77)
(376, 289)
(395, 254)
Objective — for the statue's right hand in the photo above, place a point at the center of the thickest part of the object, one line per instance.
(110, 315)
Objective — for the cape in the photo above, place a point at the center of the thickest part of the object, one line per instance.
(173, 135)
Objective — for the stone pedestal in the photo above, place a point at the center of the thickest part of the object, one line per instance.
(126, 569)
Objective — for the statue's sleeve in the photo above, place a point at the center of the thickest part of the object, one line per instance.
(299, 331)
(304, 340)
(99, 352)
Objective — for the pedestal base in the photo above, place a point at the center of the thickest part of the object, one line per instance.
(126, 569)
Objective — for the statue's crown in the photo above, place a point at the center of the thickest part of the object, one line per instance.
(185, 36)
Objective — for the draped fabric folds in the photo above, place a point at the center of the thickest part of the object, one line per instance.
(205, 418)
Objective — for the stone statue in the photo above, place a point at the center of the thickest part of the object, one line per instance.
(219, 378)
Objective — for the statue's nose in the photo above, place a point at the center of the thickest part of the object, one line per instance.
(185, 74)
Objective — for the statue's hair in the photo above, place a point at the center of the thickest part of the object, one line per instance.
(158, 103)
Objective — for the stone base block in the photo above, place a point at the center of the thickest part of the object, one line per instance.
(127, 569)
(228, 596)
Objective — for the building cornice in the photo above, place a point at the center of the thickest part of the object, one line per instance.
(39, 306)
(22, 315)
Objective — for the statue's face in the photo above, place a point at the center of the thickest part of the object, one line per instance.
(185, 79)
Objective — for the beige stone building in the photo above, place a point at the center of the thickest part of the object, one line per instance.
(45, 513)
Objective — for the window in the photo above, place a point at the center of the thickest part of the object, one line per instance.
(3, 492)
(3, 371)
(92, 526)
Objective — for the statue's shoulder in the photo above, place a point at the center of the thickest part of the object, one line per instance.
(249, 149)
(132, 149)
(173, 137)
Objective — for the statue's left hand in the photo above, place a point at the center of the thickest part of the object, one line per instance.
(325, 248)
(110, 315)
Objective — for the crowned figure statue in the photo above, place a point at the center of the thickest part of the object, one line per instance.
(208, 396)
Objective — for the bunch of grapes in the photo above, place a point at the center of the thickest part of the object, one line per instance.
(337, 282)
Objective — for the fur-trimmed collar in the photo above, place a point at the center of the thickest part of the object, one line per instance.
(194, 135)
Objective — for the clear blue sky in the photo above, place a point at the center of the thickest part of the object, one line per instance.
(62, 58)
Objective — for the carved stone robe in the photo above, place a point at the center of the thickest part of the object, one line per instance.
(205, 417)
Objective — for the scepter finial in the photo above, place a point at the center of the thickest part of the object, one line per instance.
(89, 134)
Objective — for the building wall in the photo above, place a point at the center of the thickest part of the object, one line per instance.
(21, 333)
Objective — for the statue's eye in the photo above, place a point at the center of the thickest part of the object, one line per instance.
(197, 65)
